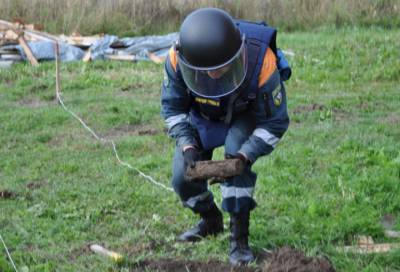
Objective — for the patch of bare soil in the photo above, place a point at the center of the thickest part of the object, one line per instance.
(391, 119)
(308, 108)
(284, 259)
(139, 248)
(131, 87)
(69, 136)
(36, 184)
(7, 194)
(184, 266)
(77, 252)
(338, 114)
(38, 88)
(130, 130)
(287, 259)
(34, 103)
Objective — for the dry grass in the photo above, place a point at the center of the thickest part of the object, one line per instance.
(143, 16)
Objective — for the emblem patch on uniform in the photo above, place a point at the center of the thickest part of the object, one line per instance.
(277, 96)
(207, 101)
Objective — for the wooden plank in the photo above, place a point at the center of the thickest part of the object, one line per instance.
(155, 58)
(121, 57)
(11, 35)
(11, 56)
(88, 56)
(28, 51)
(81, 41)
(31, 34)
(11, 51)
(370, 248)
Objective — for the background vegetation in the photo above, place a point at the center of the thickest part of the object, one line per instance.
(136, 17)
(335, 175)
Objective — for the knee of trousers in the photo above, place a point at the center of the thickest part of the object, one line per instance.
(235, 139)
(185, 189)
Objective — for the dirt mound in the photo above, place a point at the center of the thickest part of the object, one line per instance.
(287, 259)
(284, 259)
(184, 266)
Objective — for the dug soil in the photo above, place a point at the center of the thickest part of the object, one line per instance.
(284, 259)
(287, 259)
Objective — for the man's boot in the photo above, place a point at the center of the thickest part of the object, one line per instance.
(211, 223)
(240, 253)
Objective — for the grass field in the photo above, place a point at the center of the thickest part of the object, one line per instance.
(334, 176)
(140, 17)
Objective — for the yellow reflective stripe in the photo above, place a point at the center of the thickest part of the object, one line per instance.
(268, 67)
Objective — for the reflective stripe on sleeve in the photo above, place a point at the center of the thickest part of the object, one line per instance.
(191, 202)
(236, 192)
(173, 120)
(266, 136)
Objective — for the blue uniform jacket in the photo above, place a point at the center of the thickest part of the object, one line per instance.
(269, 108)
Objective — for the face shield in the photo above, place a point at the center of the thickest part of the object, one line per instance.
(216, 81)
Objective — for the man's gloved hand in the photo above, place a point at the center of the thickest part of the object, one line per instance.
(190, 156)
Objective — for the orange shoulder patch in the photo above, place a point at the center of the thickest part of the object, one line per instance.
(268, 67)
(173, 58)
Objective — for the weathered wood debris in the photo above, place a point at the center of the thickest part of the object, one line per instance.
(27, 42)
(217, 171)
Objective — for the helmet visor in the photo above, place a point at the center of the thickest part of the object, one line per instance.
(216, 81)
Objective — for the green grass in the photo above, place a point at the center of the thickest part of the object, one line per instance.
(335, 174)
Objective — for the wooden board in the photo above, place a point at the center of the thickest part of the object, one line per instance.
(121, 57)
(80, 41)
(155, 58)
(30, 34)
(371, 248)
(10, 56)
(28, 52)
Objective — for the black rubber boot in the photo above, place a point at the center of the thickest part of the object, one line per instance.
(211, 223)
(240, 253)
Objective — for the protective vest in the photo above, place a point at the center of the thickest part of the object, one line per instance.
(259, 37)
(212, 117)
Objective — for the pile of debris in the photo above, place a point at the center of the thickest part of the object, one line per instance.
(26, 42)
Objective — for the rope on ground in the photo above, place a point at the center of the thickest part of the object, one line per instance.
(8, 254)
(104, 141)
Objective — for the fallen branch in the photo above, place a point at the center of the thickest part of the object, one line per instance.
(215, 169)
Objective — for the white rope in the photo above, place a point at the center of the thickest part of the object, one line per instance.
(58, 94)
(8, 254)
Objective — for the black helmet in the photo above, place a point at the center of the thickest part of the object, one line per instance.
(211, 53)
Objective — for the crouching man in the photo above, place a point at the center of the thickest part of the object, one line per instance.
(223, 86)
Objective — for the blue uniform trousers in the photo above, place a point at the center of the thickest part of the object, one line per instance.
(237, 192)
